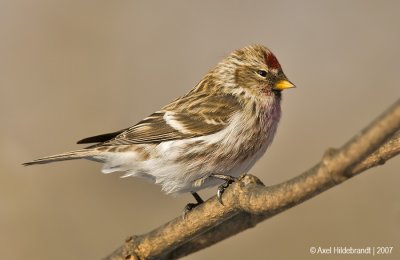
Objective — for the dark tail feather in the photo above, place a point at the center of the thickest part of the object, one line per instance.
(100, 138)
(79, 154)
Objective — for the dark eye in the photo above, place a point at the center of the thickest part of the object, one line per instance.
(262, 73)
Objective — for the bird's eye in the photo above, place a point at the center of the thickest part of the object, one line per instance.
(262, 73)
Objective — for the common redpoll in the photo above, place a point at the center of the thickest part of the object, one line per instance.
(212, 134)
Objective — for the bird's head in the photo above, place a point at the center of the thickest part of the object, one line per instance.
(252, 70)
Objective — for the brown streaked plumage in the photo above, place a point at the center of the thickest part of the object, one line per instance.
(221, 127)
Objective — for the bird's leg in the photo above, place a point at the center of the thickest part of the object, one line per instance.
(191, 206)
(221, 188)
(197, 198)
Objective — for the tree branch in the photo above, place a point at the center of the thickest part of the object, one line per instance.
(248, 202)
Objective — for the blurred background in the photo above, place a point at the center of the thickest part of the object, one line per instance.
(72, 69)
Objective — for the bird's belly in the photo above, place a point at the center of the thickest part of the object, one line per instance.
(186, 165)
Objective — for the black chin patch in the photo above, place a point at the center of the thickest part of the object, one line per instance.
(277, 93)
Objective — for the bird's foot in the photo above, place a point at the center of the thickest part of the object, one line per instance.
(191, 206)
(221, 188)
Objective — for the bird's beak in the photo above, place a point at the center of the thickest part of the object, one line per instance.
(283, 84)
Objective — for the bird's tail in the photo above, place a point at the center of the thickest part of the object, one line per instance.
(78, 154)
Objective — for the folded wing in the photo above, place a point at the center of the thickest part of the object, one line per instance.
(190, 116)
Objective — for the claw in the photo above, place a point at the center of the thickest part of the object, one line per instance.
(222, 187)
(188, 208)
(219, 194)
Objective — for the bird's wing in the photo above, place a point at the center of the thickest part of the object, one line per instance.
(190, 116)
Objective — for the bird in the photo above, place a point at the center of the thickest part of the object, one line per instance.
(210, 136)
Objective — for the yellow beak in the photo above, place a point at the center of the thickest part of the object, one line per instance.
(283, 84)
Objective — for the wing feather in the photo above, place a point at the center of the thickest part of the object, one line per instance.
(190, 116)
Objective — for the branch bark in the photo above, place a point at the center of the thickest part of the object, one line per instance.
(248, 202)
